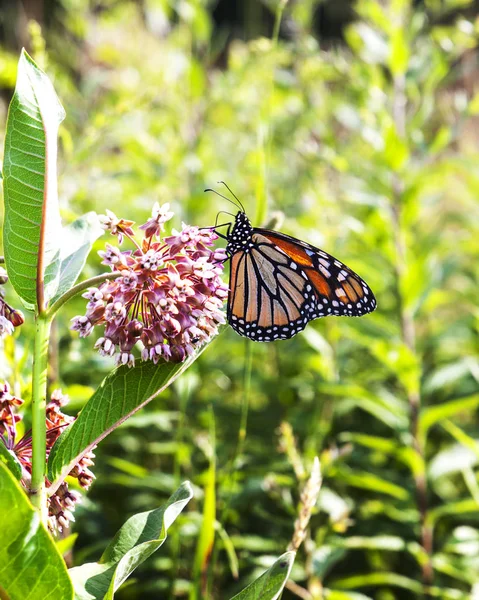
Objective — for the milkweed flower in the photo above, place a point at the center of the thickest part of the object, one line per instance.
(61, 504)
(9, 317)
(167, 298)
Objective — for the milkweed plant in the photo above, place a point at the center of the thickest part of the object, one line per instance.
(158, 303)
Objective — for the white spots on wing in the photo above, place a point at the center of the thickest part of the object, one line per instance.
(324, 271)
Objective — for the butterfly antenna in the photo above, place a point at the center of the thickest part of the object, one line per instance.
(233, 194)
(224, 197)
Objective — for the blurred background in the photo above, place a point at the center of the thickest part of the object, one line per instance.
(353, 126)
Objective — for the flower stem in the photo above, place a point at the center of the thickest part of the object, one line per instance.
(80, 287)
(408, 334)
(39, 392)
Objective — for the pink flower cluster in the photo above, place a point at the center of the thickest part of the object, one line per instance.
(9, 317)
(167, 297)
(62, 503)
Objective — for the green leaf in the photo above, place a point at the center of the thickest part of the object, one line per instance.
(119, 396)
(408, 456)
(9, 459)
(434, 414)
(30, 565)
(136, 541)
(454, 509)
(374, 579)
(461, 436)
(369, 481)
(77, 240)
(229, 549)
(270, 585)
(32, 219)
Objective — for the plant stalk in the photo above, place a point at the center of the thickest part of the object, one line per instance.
(39, 392)
(81, 287)
(408, 332)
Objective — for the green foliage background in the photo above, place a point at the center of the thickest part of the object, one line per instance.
(366, 148)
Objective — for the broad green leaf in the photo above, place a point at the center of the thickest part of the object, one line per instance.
(270, 585)
(136, 541)
(32, 220)
(77, 240)
(9, 459)
(431, 415)
(30, 565)
(120, 395)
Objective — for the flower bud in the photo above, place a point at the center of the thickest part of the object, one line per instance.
(16, 318)
(135, 328)
(3, 276)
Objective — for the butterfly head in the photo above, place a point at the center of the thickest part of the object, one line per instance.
(240, 238)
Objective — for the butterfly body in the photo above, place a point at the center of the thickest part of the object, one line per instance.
(278, 284)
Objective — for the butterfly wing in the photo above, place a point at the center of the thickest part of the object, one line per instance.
(280, 284)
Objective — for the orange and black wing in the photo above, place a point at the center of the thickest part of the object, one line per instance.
(280, 284)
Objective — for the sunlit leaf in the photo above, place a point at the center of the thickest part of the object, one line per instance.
(9, 458)
(270, 585)
(77, 240)
(136, 541)
(431, 415)
(30, 564)
(121, 394)
(32, 228)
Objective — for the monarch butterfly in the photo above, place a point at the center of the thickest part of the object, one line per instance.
(279, 283)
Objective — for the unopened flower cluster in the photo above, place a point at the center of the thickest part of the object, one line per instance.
(167, 296)
(62, 503)
(9, 317)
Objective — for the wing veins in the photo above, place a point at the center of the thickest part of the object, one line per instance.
(233, 289)
(276, 296)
